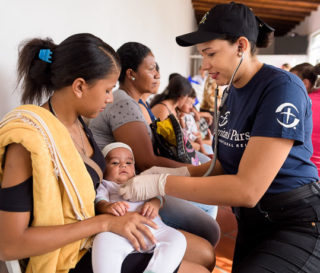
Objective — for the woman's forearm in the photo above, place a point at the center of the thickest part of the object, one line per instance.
(257, 169)
(18, 241)
(35, 241)
(217, 190)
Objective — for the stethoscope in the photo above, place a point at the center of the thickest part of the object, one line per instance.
(217, 115)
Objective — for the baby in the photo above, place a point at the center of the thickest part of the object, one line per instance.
(109, 249)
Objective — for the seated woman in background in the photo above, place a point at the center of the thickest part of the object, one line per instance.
(123, 121)
(172, 98)
(309, 74)
(47, 191)
(144, 105)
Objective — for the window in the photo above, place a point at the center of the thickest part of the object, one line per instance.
(314, 48)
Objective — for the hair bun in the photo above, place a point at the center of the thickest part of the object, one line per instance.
(265, 35)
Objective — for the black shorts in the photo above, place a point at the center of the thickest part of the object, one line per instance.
(134, 263)
(280, 235)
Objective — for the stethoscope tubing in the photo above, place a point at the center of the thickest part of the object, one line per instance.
(217, 113)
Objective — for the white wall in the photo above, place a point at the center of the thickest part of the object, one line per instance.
(310, 24)
(152, 22)
(278, 60)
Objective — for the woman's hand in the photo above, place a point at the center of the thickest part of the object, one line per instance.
(207, 116)
(181, 171)
(133, 227)
(143, 187)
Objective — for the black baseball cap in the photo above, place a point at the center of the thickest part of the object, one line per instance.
(232, 19)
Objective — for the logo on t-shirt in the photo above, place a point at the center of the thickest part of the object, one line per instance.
(224, 119)
(286, 115)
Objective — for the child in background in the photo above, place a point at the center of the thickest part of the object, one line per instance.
(110, 249)
(189, 120)
(191, 130)
(208, 101)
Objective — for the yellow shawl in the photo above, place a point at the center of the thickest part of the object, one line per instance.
(63, 191)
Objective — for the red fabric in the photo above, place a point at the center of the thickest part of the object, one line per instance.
(315, 98)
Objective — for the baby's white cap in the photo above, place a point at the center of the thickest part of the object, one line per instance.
(114, 145)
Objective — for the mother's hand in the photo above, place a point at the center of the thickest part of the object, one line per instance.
(143, 187)
(132, 226)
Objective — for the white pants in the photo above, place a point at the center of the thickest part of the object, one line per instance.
(109, 250)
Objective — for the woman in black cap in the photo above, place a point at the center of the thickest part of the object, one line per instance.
(263, 150)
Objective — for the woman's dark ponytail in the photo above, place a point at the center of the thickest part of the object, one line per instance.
(264, 39)
(265, 34)
(79, 56)
(33, 73)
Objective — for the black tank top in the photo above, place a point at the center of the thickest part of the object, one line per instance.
(19, 198)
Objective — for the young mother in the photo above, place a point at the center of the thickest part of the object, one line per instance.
(47, 191)
(123, 121)
(263, 169)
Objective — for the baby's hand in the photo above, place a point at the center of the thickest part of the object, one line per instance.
(150, 210)
(118, 208)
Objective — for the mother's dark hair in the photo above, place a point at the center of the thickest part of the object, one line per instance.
(131, 55)
(178, 86)
(79, 56)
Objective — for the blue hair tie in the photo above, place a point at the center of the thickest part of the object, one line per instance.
(45, 55)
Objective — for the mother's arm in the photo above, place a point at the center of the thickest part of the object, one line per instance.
(135, 134)
(19, 240)
(260, 163)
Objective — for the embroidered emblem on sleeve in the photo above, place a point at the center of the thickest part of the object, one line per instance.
(286, 115)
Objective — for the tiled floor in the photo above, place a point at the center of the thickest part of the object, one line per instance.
(224, 250)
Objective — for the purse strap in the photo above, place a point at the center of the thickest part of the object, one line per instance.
(170, 113)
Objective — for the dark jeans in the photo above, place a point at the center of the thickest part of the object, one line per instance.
(279, 237)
